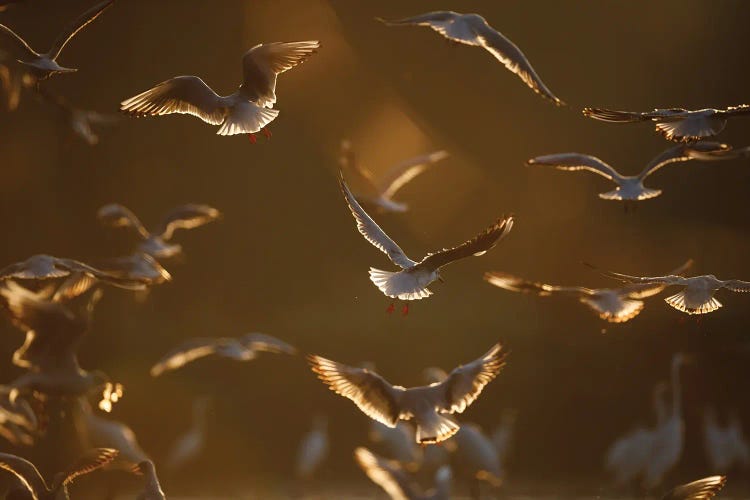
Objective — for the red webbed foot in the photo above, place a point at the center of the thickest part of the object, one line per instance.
(405, 310)
(391, 308)
(267, 133)
(252, 138)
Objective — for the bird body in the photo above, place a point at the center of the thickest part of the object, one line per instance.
(398, 442)
(313, 449)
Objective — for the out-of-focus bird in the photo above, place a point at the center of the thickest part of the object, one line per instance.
(247, 111)
(33, 481)
(702, 489)
(412, 281)
(615, 305)
(396, 482)
(139, 266)
(477, 457)
(379, 193)
(245, 348)
(473, 29)
(18, 421)
(152, 489)
(427, 405)
(14, 78)
(502, 436)
(725, 446)
(313, 449)
(42, 66)
(80, 122)
(157, 243)
(397, 442)
(190, 445)
(675, 124)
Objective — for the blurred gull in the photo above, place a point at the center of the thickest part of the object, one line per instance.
(427, 405)
(152, 489)
(247, 111)
(81, 122)
(725, 446)
(188, 447)
(702, 489)
(477, 455)
(472, 29)
(396, 482)
(313, 449)
(139, 266)
(397, 442)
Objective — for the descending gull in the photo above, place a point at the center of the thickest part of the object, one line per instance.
(702, 489)
(676, 124)
(615, 305)
(427, 405)
(380, 192)
(157, 243)
(313, 449)
(725, 446)
(245, 348)
(472, 29)
(630, 188)
(411, 283)
(247, 111)
(45, 65)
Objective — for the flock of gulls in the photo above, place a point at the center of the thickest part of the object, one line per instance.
(51, 300)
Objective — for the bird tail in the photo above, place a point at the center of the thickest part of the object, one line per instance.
(434, 428)
(247, 118)
(400, 285)
(681, 303)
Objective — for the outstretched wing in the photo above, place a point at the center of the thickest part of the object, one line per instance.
(400, 174)
(187, 217)
(72, 30)
(435, 20)
(661, 280)
(703, 150)
(372, 232)
(19, 42)
(185, 353)
(385, 473)
(476, 246)
(740, 109)
(645, 290)
(266, 343)
(26, 472)
(88, 462)
(117, 215)
(576, 161)
(465, 383)
(516, 284)
(262, 63)
(737, 285)
(702, 489)
(614, 116)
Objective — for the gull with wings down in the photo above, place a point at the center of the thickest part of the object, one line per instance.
(428, 405)
(412, 281)
(380, 192)
(675, 124)
(616, 305)
(246, 111)
(397, 482)
(630, 188)
(45, 65)
(473, 29)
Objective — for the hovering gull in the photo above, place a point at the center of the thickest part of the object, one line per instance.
(697, 297)
(33, 481)
(191, 444)
(472, 29)
(630, 188)
(313, 449)
(152, 490)
(45, 65)
(702, 489)
(157, 243)
(245, 348)
(396, 482)
(725, 446)
(247, 111)
(616, 305)
(427, 405)
(411, 283)
(676, 124)
(380, 193)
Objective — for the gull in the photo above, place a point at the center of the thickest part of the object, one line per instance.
(427, 405)
(478, 456)
(157, 243)
(411, 283)
(396, 482)
(245, 348)
(630, 188)
(725, 446)
(18, 421)
(675, 124)
(472, 29)
(43, 66)
(188, 447)
(35, 484)
(82, 122)
(616, 305)
(397, 441)
(502, 436)
(138, 266)
(379, 193)
(152, 490)
(702, 489)
(313, 449)
(247, 111)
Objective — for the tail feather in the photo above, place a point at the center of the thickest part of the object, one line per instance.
(401, 285)
(681, 303)
(247, 118)
(435, 428)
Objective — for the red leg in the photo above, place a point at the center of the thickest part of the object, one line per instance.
(267, 133)
(252, 138)
(391, 308)
(405, 309)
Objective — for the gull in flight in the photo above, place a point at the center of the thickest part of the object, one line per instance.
(245, 348)
(45, 65)
(697, 296)
(630, 188)
(157, 243)
(247, 111)
(427, 405)
(472, 29)
(411, 282)
(379, 193)
(702, 489)
(676, 124)
(616, 305)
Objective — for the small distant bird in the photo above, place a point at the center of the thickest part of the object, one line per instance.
(675, 124)
(30, 477)
(630, 188)
(396, 482)
(472, 29)
(427, 405)
(411, 283)
(152, 489)
(247, 111)
(616, 305)
(379, 193)
(140, 266)
(245, 348)
(157, 243)
(45, 65)
(702, 489)
(313, 449)
(190, 445)
(725, 446)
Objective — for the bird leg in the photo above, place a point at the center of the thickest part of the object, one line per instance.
(391, 308)
(405, 309)
(267, 133)
(252, 138)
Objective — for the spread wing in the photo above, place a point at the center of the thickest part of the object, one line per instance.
(185, 353)
(80, 23)
(702, 489)
(741, 109)
(116, 215)
(737, 286)
(74, 266)
(645, 290)
(399, 175)
(387, 474)
(516, 284)
(614, 116)
(187, 217)
(476, 246)
(465, 383)
(262, 63)
(181, 94)
(660, 280)
(436, 20)
(266, 343)
(576, 161)
(19, 42)
(703, 150)
(88, 462)
(348, 162)
(372, 232)
(26, 472)
(369, 391)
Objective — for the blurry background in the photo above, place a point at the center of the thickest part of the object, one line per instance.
(287, 260)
